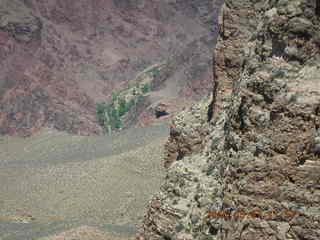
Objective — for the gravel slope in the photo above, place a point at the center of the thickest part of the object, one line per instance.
(54, 182)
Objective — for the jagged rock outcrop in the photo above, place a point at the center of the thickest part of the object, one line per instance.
(187, 133)
(257, 175)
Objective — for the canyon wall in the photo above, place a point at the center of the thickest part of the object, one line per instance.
(245, 163)
(59, 58)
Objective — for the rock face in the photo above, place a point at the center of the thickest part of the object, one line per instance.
(256, 174)
(59, 58)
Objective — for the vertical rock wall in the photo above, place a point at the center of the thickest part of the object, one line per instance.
(256, 175)
(273, 164)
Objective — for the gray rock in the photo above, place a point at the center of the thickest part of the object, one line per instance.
(195, 219)
(300, 25)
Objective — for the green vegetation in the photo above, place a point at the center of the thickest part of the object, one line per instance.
(123, 108)
(146, 87)
(109, 114)
(115, 96)
(153, 72)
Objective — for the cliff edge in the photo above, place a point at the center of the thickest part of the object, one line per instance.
(245, 164)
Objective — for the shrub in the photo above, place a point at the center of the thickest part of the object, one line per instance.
(131, 103)
(114, 96)
(123, 108)
(146, 88)
(101, 113)
(118, 124)
(153, 72)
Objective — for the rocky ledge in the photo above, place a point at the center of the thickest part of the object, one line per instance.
(249, 167)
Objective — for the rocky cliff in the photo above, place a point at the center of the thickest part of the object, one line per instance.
(59, 58)
(245, 163)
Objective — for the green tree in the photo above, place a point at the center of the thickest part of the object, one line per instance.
(101, 113)
(118, 123)
(123, 109)
(146, 87)
(114, 96)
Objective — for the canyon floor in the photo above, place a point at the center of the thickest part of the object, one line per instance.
(59, 186)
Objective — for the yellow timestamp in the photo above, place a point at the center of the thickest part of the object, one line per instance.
(257, 213)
